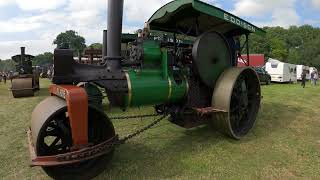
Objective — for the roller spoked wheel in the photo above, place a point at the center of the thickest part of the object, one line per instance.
(52, 135)
(237, 92)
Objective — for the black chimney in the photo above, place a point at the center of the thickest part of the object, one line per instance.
(115, 13)
(104, 44)
(23, 53)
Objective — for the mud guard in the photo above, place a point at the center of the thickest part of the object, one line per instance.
(77, 106)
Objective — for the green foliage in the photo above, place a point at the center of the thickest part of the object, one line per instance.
(278, 49)
(259, 45)
(43, 59)
(7, 65)
(96, 46)
(70, 40)
(297, 45)
(39, 60)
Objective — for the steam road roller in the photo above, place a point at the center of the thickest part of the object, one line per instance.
(26, 80)
(183, 62)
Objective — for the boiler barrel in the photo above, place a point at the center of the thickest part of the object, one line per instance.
(148, 87)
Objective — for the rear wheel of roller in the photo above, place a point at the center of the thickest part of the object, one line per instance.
(52, 135)
(237, 92)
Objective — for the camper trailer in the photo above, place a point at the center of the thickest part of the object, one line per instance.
(280, 71)
(300, 68)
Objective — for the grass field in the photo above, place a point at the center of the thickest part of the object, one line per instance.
(285, 143)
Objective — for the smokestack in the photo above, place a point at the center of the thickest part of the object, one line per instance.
(115, 13)
(23, 50)
(23, 53)
(104, 44)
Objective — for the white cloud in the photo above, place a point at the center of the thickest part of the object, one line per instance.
(19, 25)
(311, 21)
(141, 10)
(281, 17)
(80, 5)
(260, 7)
(316, 3)
(282, 12)
(33, 47)
(32, 5)
(5, 2)
(42, 5)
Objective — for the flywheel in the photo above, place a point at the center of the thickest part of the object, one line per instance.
(212, 55)
(237, 92)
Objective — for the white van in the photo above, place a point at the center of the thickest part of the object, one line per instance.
(280, 71)
(300, 68)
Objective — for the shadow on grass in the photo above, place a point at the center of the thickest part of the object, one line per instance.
(43, 92)
(274, 117)
(163, 158)
(154, 155)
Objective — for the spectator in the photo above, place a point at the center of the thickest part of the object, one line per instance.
(312, 77)
(315, 78)
(303, 78)
(4, 76)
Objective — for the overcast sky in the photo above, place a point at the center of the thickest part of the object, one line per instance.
(35, 23)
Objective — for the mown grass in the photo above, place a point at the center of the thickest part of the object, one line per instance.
(285, 143)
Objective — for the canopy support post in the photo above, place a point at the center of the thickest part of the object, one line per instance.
(247, 44)
(175, 42)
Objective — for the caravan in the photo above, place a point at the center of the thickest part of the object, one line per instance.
(280, 71)
(300, 68)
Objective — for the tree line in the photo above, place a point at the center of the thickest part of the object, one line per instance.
(296, 45)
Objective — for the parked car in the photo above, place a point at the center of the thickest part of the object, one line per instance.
(264, 76)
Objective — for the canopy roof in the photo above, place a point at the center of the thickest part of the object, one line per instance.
(17, 58)
(193, 17)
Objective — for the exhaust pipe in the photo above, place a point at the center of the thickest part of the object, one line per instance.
(115, 14)
(104, 44)
(23, 53)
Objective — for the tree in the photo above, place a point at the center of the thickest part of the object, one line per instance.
(43, 59)
(296, 45)
(278, 49)
(96, 46)
(7, 65)
(71, 40)
(258, 45)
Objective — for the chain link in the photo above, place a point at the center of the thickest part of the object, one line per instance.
(134, 117)
(130, 136)
(111, 143)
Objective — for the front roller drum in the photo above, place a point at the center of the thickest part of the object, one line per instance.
(22, 87)
(51, 135)
(237, 92)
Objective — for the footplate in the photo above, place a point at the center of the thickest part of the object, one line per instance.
(78, 156)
